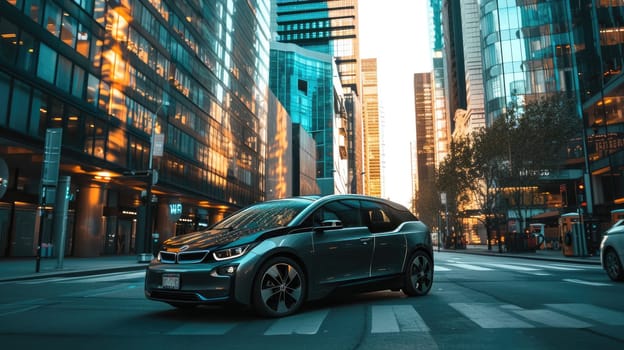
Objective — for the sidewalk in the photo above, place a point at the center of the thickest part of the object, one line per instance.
(24, 268)
(15, 269)
(542, 254)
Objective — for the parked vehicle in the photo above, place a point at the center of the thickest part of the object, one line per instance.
(612, 251)
(276, 255)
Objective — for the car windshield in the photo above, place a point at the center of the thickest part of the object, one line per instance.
(262, 216)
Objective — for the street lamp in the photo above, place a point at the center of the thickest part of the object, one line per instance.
(152, 178)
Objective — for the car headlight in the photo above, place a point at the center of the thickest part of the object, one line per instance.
(230, 253)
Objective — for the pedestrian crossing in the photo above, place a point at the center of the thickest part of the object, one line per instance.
(532, 268)
(539, 269)
(407, 318)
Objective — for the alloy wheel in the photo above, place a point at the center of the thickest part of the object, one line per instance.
(419, 275)
(613, 266)
(280, 290)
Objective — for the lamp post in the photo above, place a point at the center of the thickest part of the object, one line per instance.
(152, 178)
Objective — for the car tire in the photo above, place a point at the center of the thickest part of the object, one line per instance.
(279, 288)
(613, 265)
(418, 275)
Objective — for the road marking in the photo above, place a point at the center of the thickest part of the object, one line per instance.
(108, 277)
(115, 276)
(560, 268)
(17, 311)
(441, 268)
(396, 318)
(489, 315)
(587, 283)
(305, 323)
(471, 267)
(551, 319)
(513, 267)
(592, 312)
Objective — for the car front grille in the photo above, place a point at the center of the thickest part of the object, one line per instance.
(192, 257)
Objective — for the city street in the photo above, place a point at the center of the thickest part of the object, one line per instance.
(485, 302)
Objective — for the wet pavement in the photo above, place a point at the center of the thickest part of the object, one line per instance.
(13, 269)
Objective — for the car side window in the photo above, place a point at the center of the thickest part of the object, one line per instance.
(347, 211)
(377, 217)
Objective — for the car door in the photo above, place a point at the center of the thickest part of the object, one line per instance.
(341, 254)
(390, 247)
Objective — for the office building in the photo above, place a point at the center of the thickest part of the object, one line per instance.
(372, 123)
(330, 27)
(138, 87)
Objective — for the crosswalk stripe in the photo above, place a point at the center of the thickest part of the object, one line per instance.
(305, 323)
(489, 316)
(470, 267)
(592, 312)
(396, 318)
(559, 268)
(549, 318)
(513, 267)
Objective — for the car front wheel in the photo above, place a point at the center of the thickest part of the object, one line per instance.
(418, 274)
(279, 288)
(613, 265)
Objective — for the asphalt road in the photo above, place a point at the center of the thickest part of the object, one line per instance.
(477, 301)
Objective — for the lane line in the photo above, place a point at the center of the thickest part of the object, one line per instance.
(471, 267)
(587, 283)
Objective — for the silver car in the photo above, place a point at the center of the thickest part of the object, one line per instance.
(612, 251)
(276, 255)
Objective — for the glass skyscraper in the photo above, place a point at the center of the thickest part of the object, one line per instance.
(114, 76)
(330, 27)
(303, 81)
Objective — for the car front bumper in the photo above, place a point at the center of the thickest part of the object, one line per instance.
(197, 283)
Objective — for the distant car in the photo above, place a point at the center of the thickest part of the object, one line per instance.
(276, 255)
(612, 251)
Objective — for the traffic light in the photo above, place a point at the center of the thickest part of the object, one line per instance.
(580, 194)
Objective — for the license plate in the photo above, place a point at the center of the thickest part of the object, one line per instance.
(171, 281)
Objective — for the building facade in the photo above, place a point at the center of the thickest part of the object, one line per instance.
(372, 135)
(425, 153)
(136, 86)
(303, 80)
(330, 27)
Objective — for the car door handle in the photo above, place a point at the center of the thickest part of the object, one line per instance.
(365, 240)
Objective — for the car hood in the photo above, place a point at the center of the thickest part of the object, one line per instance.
(214, 238)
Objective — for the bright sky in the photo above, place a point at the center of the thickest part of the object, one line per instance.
(396, 33)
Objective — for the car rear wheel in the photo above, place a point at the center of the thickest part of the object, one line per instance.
(279, 288)
(418, 274)
(613, 265)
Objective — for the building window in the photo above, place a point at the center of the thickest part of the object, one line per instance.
(63, 73)
(78, 81)
(18, 119)
(68, 30)
(5, 88)
(46, 63)
(8, 41)
(53, 18)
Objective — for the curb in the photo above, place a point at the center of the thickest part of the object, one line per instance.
(579, 260)
(75, 273)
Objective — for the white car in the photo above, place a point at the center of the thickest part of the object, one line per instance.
(612, 251)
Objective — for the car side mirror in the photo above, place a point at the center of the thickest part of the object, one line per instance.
(329, 225)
